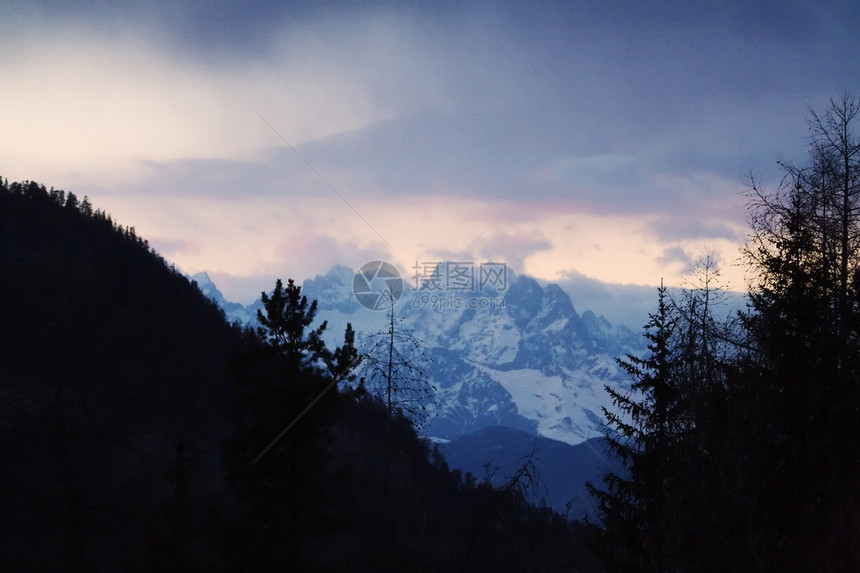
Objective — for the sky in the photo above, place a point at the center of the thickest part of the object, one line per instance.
(590, 143)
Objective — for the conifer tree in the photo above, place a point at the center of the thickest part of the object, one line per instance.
(286, 391)
(805, 252)
(635, 525)
(284, 326)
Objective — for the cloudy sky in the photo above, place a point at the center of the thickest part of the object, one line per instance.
(576, 140)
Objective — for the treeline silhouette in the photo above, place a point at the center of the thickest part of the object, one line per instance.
(139, 431)
(740, 440)
(108, 359)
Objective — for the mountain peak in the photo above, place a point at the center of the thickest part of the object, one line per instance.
(338, 272)
(202, 278)
(333, 290)
(523, 300)
(533, 307)
(208, 288)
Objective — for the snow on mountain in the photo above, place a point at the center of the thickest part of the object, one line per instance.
(520, 357)
(565, 407)
(333, 291)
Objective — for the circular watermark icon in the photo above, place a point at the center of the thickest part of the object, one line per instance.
(377, 285)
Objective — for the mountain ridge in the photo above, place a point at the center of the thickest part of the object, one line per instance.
(522, 358)
(559, 470)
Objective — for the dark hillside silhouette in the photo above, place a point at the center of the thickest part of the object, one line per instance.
(140, 431)
(108, 359)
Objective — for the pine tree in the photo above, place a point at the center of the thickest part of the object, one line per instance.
(635, 524)
(284, 326)
(286, 393)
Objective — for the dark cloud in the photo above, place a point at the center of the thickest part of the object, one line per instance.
(532, 102)
(201, 29)
(497, 246)
(673, 255)
(678, 229)
(608, 108)
(276, 175)
(491, 154)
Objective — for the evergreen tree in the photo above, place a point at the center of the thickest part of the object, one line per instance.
(284, 323)
(286, 393)
(635, 526)
(805, 335)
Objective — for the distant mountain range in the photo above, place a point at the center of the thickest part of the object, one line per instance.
(520, 357)
(515, 369)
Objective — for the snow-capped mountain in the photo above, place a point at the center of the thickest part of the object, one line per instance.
(521, 356)
(532, 363)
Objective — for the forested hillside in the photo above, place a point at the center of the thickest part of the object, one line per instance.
(139, 431)
(740, 446)
(108, 360)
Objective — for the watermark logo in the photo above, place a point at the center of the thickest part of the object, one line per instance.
(442, 302)
(457, 285)
(464, 276)
(377, 285)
